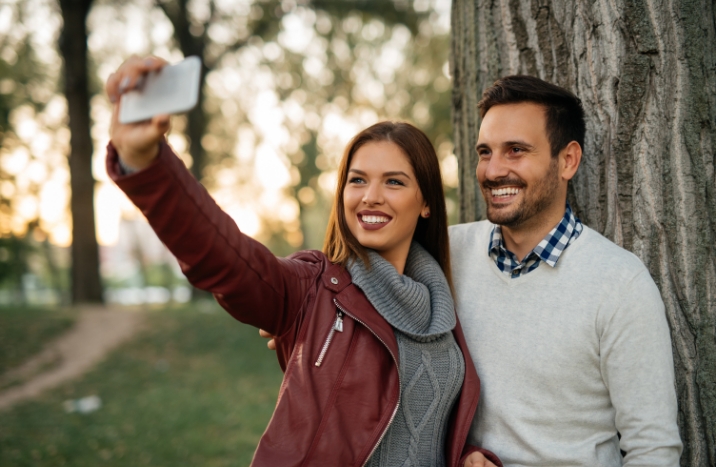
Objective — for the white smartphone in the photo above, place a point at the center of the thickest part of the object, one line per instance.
(171, 90)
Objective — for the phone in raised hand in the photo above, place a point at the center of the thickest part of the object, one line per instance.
(171, 90)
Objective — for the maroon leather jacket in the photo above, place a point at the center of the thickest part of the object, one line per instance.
(334, 414)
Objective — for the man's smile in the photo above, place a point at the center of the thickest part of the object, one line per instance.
(504, 192)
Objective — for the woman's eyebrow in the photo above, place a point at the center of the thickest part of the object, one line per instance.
(394, 173)
(391, 173)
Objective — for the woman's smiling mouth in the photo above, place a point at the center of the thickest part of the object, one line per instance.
(373, 220)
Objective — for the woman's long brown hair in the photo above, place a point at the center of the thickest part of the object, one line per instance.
(341, 246)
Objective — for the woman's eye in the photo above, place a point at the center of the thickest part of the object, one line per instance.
(356, 180)
(393, 181)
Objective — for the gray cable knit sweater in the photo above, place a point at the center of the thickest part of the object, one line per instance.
(420, 308)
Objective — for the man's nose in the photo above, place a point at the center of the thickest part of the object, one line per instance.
(495, 167)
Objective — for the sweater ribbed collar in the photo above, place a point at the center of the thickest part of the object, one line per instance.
(417, 303)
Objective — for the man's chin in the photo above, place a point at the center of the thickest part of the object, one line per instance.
(502, 217)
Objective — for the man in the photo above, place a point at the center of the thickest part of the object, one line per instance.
(567, 330)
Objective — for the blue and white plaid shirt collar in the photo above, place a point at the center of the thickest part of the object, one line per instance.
(548, 250)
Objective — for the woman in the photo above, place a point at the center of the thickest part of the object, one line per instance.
(377, 372)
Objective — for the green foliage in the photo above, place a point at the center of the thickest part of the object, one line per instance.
(23, 80)
(13, 259)
(24, 330)
(193, 389)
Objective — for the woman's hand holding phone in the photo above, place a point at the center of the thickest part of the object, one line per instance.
(137, 143)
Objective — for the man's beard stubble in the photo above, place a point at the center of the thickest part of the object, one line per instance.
(535, 198)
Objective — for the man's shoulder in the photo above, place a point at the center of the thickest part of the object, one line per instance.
(469, 233)
(606, 256)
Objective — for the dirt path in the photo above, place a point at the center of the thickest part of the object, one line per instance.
(96, 332)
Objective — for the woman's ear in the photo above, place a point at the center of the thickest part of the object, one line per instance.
(425, 213)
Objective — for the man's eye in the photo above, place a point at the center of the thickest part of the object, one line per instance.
(482, 153)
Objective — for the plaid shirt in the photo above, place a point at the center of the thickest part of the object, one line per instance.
(548, 250)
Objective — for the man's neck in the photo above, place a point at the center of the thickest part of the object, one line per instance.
(522, 239)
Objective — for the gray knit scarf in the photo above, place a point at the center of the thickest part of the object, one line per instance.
(418, 303)
(419, 306)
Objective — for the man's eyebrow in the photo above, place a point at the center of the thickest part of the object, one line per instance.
(506, 144)
(518, 143)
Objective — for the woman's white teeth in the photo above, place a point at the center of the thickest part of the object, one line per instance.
(505, 191)
(375, 219)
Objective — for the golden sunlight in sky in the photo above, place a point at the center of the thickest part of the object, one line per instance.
(251, 185)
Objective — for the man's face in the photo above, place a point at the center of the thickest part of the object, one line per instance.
(519, 178)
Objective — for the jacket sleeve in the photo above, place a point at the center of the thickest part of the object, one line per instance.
(488, 454)
(251, 283)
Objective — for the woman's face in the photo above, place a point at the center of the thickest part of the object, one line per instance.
(382, 200)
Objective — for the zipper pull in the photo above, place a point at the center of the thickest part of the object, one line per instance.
(337, 326)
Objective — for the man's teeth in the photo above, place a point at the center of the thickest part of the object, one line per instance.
(375, 219)
(505, 191)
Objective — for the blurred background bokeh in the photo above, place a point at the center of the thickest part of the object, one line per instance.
(287, 83)
(172, 379)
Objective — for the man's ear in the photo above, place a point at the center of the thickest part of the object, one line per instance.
(569, 159)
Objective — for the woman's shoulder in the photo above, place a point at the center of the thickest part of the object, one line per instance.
(313, 263)
(333, 276)
(310, 256)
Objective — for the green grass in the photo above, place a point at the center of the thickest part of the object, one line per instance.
(193, 389)
(24, 330)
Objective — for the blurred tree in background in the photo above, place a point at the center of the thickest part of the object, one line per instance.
(86, 279)
(337, 44)
(286, 84)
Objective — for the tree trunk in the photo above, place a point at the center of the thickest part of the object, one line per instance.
(190, 44)
(86, 283)
(646, 74)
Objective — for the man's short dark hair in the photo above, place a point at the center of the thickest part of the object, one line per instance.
(565, 116)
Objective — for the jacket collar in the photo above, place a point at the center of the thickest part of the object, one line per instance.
(354, 302)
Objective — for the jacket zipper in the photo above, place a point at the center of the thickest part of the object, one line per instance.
(337, 326)
(400, 385)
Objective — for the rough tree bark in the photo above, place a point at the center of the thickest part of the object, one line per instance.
(646, 73)
(86, 283)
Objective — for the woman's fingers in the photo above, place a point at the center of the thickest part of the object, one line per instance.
(271, 344)
(477, 459)
(130, 75)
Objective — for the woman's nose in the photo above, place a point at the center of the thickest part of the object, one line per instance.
(373, 194)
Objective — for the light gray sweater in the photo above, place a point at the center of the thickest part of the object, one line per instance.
(567, 356)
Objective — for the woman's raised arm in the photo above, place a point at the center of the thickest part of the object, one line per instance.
(247, 279)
